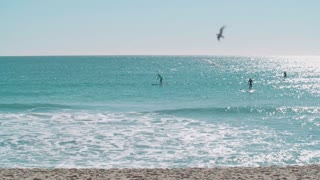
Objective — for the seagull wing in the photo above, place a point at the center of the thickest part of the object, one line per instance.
(221, 29)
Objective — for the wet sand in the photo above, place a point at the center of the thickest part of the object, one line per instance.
(272, 172)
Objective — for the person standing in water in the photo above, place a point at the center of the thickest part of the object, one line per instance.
(284, 74)
(160, 77)
(250, 83)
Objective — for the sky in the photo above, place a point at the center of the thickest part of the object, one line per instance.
(159, 27)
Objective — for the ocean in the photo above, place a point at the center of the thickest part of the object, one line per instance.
(106, 112)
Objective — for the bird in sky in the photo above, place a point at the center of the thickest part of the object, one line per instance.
(220, 34)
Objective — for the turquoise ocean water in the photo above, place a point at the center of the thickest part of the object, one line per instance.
(103, 111)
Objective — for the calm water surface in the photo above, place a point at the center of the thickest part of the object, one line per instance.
(103, 111)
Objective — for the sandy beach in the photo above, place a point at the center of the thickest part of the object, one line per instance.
(272, 172)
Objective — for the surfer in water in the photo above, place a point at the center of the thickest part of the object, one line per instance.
(284, 74)
(160, 77)
(250, 83)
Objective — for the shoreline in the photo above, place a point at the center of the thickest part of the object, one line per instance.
(269, 172)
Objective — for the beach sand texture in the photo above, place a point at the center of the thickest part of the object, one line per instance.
(272, 172)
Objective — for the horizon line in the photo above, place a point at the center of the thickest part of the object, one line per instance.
(61, 55)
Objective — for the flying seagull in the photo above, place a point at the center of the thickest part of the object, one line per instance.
(220, 34)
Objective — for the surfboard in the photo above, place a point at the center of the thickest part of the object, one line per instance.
(248, 91)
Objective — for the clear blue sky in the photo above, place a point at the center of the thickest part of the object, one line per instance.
(159, 27)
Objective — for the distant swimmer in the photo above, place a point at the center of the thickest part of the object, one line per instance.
(220, 33)
(284, 74)
(160, 77)
(250, 83)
